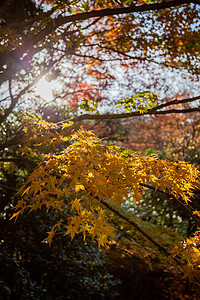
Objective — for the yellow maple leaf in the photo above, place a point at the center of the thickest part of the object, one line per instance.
(79, 187)
(72, 230)
(50, 236)
(75, 204)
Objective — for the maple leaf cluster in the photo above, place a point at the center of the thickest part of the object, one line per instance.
(87, 174)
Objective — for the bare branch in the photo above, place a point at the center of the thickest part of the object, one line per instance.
(137, 227)
(8, 187)
(139, 58)
(153, 111)
(14, 100)
(176, 101)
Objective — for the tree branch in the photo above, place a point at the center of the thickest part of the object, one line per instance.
(175, 199)
(153, 111)
(14, 100)
(139, 58)
(136, 226)
(8, 187)
(176, 101)
(29, 43)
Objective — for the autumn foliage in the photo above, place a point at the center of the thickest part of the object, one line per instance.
(120, 133)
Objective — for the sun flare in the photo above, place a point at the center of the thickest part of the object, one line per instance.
(44, 89)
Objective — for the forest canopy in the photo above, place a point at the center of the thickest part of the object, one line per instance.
(100, 125)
